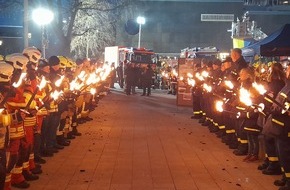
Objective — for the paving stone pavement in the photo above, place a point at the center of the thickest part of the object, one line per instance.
(147, 143)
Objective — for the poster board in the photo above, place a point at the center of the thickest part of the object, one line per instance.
(184, 95)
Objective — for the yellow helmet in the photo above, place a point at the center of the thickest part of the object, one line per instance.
(17, 60)
(1, 58)
(6, 71)
(70, 63)
(32, 53)
(62, 62)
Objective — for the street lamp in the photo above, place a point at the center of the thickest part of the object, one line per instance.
(140, 21)
(42, 17)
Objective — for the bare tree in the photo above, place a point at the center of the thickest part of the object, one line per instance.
(82, 27)
(85, 27)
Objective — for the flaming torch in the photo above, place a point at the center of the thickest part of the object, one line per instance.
(191, 82)
(245, 97)
(38, 88)
(207, 87)
(261, 89)
(219, 107)
(59, 81)
(19, 82)
(229, 84)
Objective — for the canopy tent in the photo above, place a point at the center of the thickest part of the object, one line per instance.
(280, 46)
(276, 44)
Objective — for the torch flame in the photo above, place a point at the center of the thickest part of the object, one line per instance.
(59, 81)
(245, 97)
(229, 84)
(82, 75)
(260, 88)
(181, 78)
(42, 83)
(219, 106)
(55, 95)
(207, 87)
(93, 91)
(199, 77)
(189, 75)
(174, 72)
(91, 79)
(22, 76)
(204, 74)
(191, 82)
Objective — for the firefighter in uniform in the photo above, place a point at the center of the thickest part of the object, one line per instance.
(281, 118)
(276, 78)
(30, 121)
(6, 71)
(17, 144)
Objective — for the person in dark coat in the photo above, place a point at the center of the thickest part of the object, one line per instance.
(147, 80)
(129, 72)
(238, 61)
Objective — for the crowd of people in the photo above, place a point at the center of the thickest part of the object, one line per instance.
(42, 103)
(136, 76)
(240, 106)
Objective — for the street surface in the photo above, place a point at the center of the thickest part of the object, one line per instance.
(147, 143)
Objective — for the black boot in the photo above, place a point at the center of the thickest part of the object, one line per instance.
(202, 119)
(21, 185)
(286, 187)
(70, 135)
(280, 182)
(264, 165)
(39, 160)
(36, 170)
(75, 132)
(273, 169)
(62, 141)
(29, 176)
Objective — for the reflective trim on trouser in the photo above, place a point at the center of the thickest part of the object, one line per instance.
(8, 177)
(31, 161)
(197, 112)
(278, 122)
(222, 126)
(251, 129)
(273, 159)
(16, 175)
(25, 165)
(7, 185)
(287, 175)
(243, 141)
(230, 131)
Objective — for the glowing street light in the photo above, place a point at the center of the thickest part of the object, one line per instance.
(42, 17)
(140, 21)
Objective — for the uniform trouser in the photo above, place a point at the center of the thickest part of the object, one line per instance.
(196, 106)
(283, 147)
(128, 87)
(44, 134)
(271, 152)
(253, 144)
(2, 167)
(230, 131)
(53, 124)
(29, 157)
(242, 136)
(74, 122)
(37, 136)
(18, 149)
(148, 90)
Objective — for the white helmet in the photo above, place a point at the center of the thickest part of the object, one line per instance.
(6, 71)
(32, 53)
(17, 60)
